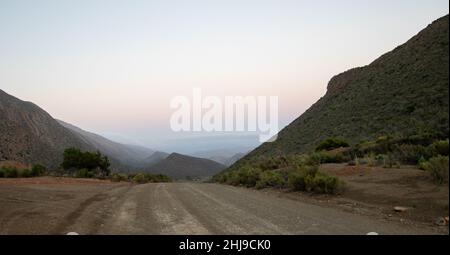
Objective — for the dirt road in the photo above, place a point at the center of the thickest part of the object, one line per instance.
(173, 208)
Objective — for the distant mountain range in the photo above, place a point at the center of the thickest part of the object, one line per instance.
(180, 166)
(226, 156)
(127, 155)
(404, 92)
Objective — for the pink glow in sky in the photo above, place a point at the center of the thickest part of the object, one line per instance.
(112, 66)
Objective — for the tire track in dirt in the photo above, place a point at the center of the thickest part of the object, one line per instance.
(91, 212)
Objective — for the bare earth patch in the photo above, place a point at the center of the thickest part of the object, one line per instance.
(381, 189)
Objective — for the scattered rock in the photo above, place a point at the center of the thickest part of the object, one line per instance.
(401, 209)
(441, 221)
(372, 234)
(72, 234)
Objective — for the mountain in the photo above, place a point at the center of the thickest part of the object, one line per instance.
(179, 166)
(30, 135)
(127, 155)
(155, 158)
(224, 156)
(231, 160)
(404, 92)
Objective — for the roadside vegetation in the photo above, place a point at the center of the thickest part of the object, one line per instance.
(85, 164)
(298, 173)
(140, 178)
(13, 172)
(82, 164)
(301, 172)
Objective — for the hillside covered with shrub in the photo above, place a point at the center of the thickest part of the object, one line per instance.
(392, 112)
(404, 93)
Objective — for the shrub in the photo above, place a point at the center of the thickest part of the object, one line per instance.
(76, 159)
(272, 163)
(308, 178)
(270, 179)
(331, 143)
(25, 173)
(248, 176)
(441, 147)
(2, 172)
(140, 178)
(38, 170)
(438, 168)
(119, 177)
(296, 181)
(323, 157)
(84, 173)
(410, 153)
(322, 183)
(10, 172)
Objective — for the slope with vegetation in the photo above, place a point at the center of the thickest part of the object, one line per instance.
(403, 93)
(391, 112)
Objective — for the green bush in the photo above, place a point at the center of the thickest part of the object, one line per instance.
(441, 147)
(38, 170)
(270, 179)
(438, 168)
(25, 173)
(84, 173)
(248, 176)
(272, 163)
(296, 181)
(77, 159)
(10, 172)
(119, 177)
(142, 178)
(331, 144)
(308, 178)
(322, 183)
(324, 157)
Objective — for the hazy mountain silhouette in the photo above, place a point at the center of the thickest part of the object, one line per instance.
(180, 166)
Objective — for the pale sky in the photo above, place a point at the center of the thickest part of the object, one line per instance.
(112, 67)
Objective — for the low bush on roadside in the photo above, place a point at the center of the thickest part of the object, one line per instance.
(309, 178)
(13, 172)
(142, 178)
(84, 173)
(9, 172)
(270, 179)
(25, 173)
(38, 170)
(438, 168)
(299, 173)
(119, 177)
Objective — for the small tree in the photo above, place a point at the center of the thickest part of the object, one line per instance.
(76, 159)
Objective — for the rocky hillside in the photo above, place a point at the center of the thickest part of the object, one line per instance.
(178, 166)
(127, 155)
(30, 135)
(404, 92)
